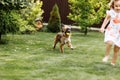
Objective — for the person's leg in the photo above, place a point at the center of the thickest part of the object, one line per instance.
(108, 48)
(116, 50)
(107, 52)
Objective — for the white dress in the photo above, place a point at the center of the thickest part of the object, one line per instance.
(112, 32)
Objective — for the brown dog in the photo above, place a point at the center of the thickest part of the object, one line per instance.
(63, 38)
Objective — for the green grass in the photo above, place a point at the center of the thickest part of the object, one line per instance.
(31, 57)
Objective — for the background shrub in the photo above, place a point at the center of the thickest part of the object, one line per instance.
(8, 22)
(54, 20)
(29, 15)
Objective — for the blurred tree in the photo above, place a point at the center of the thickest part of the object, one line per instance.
(87, 12)
(8, 22)
(54, 20)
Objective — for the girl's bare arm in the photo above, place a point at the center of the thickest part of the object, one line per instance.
(105, 22)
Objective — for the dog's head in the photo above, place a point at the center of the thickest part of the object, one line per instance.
(66, 29)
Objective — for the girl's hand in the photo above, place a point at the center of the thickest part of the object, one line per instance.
(102, 30)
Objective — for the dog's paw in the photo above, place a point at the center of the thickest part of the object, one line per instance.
(72, 48)
(53, 47)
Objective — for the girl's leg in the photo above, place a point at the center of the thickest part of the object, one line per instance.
(116, 50)
(107, 52)
(108, 48)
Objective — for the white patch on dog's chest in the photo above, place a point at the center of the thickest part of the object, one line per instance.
(65, 40)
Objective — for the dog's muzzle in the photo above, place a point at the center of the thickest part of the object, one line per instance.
(68, 31)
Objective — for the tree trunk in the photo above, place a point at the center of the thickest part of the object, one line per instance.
(0, 36)
(86, 31)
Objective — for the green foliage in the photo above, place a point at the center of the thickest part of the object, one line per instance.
(13, 4)
(87, 12)
(24, 27)
(54, 20)
(99, 10)
(8, 22)
(7, 15)
(32, 11)
(29, 15)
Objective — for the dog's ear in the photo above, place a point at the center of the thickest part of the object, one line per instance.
(63, 27)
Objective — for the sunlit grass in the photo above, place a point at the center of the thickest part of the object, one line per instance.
(31, 57)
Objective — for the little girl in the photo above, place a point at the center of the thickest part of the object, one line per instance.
(112, 32)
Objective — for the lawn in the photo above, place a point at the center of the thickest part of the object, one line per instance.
(31, 57)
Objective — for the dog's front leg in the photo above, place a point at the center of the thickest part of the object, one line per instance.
(55, 42)
(70, 45)
(62, 48)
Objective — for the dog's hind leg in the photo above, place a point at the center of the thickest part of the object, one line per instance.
(57, 39)
(55, 42)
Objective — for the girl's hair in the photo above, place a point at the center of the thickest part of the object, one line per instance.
(111, 4)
